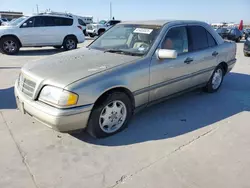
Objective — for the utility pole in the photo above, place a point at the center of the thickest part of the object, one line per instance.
(37, 9)
(110, 9)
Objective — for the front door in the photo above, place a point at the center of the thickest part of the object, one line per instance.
(170, 76)
(27, 34)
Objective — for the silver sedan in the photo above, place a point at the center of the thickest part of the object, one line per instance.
(128, 68)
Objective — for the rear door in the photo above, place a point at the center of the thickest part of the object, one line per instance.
(63, 27)
(204, 51)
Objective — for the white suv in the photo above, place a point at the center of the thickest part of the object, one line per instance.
(99, 28)
(46, 29)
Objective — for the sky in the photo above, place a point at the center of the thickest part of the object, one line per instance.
(210, 11)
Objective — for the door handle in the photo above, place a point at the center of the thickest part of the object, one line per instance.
(188, 60)
(215, 54)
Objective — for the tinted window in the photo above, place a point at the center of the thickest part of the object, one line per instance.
(49, 21)
(222, 30)
(176, 39)
(113, 22)
(233, 32)
(63, 21)
(211, 41)
(197, 38)
(81, 22)
(29, 22)
(39, 22)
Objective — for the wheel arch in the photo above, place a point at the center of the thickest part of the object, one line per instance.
(69, 36)
(14, 36)
(122, 89)
(224, 66)
(101, 29)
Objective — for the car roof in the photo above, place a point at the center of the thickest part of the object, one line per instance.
(161, 22)
(57, 15)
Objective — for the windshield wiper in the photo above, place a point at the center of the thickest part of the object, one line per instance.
(122, 52)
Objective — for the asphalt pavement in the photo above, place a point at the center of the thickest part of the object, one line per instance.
(197, 140)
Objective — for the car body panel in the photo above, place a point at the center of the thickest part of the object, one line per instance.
(91, 73)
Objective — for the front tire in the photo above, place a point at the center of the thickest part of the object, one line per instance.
(216, 80)
(100, 32)
(9, 45)
(110, 116)
(70, 43)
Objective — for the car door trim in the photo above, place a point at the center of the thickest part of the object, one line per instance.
(162, 84)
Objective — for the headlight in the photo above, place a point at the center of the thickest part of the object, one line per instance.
(58, 96)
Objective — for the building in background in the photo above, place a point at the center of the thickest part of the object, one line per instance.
(10, 15)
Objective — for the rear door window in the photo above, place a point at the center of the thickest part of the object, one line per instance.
(197, 38)
(39, 22)
(211, 40)
(63, 21)
(81, 22)
(49, 22)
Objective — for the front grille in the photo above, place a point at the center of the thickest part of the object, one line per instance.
(26, 85)
(89, 27)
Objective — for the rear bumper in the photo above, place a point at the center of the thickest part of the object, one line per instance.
(81, 38)
(62, 120)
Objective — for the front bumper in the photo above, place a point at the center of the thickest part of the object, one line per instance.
(93, 32)
(62, 120)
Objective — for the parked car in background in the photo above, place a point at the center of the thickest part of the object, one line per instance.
(98, 29)
(235, 35)
(3, 21)
(129, 67)
(247, 33)
(223, 32)
(45, 29)
(82, 26)
(247, 47)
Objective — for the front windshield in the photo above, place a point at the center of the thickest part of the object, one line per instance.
(17, 21)
(102, 22)
(127, 39)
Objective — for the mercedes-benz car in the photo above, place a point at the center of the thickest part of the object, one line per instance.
(128, 68)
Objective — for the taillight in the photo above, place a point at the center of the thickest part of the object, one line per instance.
(79, 27)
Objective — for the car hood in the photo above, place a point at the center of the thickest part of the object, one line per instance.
(6, 28)
(65, 68)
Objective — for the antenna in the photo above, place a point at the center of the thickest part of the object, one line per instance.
(37, 9)
(110, 9)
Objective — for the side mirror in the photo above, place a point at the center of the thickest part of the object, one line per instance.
(25, 25)
(166, 54)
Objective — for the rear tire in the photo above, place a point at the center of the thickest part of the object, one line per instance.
(216, 80)
(9, 45)
(110, 116)
(70, 43)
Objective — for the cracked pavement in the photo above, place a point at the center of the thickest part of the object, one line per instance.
(195, 140)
